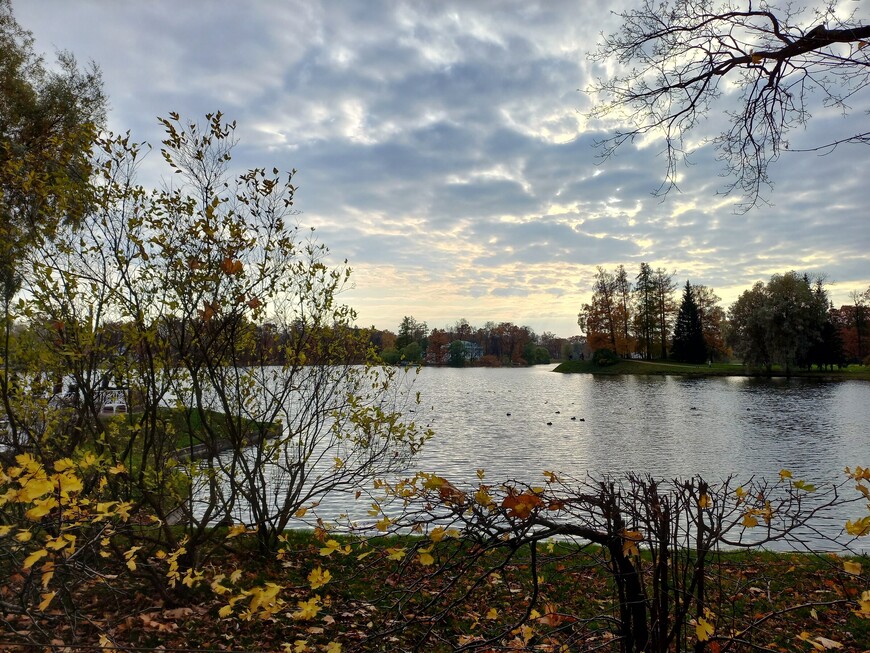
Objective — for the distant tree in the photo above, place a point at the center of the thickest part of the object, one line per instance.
(675, 60)
(463, 330)
(436, 351)
(712, 319)
(622, 289)
(689, 345)
(552, 343)
(645, 313)
(748, 319)
(827, 351)
(853, 322)
(665, 306)
(599, 318)
(410, 330)
(456, 353)
(391, 356)
(779, 322)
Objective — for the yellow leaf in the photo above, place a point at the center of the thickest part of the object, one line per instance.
(5, 530)
(331, 547)
(703, 629)
(41, 508)
(784, 474)
(235, 576)
(46, 599)
(859, 527)
(629, 542)
(34, 557)
(318, 578)
(426, 559)
(395, 553)
(704, 502)
(34, 488)
(307, 609)
(225, 611)
(437, 534)
(339, 463)
(482, 497)
(299, 514)
(492, 614)
(69, 483)
(749, 520)
(333, 647)
(383, 524)
(481, 473)
(106, 643)
(852, 567)
(63, 464)
(235, 530)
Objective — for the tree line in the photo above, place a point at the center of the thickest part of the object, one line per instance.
(788, 321)
(461, 344)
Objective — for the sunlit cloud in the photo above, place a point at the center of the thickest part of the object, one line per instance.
(445, 151)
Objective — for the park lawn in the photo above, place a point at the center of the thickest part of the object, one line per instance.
(669, 368)
(376, 601)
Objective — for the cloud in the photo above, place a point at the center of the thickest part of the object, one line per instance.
(440, 149)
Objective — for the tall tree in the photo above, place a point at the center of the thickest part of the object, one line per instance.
(410, 330)
(599, 317)
(665, 306)
(677, 58)
(747, 335)
(48, 120)
(622, 289)
(645, 314)
(712, 319)
(860, 322)
(689, 344)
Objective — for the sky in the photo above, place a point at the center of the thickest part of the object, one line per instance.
(444, 150)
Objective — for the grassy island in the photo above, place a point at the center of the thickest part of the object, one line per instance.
(660, 368)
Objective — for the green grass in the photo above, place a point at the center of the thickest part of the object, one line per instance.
(660, 368)
(189, 426)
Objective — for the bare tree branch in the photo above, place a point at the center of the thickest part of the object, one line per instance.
(764, 66)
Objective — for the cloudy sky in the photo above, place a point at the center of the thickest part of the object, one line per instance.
(443, 150)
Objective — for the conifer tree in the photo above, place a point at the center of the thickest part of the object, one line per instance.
(689, 345)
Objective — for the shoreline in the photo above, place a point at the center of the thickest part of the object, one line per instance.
(656, 368)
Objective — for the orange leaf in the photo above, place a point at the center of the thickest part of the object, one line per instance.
(521, 505)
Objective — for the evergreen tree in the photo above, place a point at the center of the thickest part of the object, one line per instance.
(689, 345)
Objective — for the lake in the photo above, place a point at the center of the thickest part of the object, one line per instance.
(515, 423)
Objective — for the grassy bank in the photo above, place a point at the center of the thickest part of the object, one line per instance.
(636, 367)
